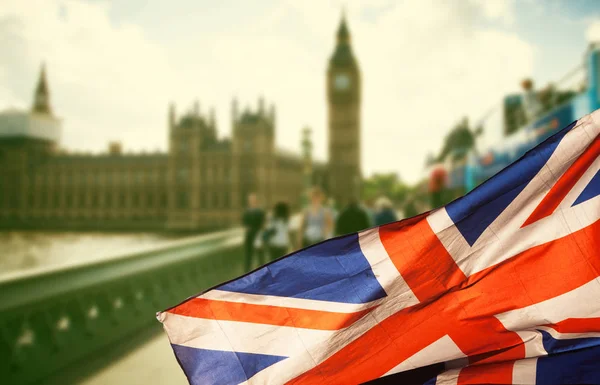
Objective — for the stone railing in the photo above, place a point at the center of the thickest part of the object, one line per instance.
(53, 319)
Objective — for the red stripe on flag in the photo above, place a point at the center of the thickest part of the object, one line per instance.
(566, 182)
(577, 325)
(378, 350)
(497, 373)
(421, 259)
(266, 314)
(486, 340)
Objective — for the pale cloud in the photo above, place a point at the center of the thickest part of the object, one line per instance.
(497, 9)
(593, 32)
(424, 65)
(103, 78)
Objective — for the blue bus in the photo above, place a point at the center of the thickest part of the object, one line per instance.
(476, 168)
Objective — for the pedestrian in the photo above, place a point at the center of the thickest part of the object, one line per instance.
(278, 231)
(334, 214)
(410, 209)
(437, 186)
(352, 219)
(385, 212)
(316, 222)
(253, 221)
(369, 210)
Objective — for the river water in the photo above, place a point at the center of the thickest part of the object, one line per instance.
(25, 250)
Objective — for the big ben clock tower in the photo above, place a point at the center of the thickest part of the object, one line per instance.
(343, 96)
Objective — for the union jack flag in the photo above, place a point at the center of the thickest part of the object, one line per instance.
(498, 287)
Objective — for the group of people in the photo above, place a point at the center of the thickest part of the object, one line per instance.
(265, 235)
(269, 236)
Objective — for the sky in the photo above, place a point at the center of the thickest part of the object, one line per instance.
(114, 67)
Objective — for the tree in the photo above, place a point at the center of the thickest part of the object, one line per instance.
(459, 141)
(387, 184)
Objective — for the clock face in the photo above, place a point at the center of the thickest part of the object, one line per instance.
(341, 82)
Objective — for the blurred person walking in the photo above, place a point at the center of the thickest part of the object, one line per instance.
(316, 222)
(531, 101)
(368, 208)
(353, 218)
(253, 221)
(437, 186)
(278, 232)
(410, 209)
(385, 211)
(334, 214)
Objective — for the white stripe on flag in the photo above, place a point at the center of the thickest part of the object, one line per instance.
(399, 293)
(524, 371)
(581, 302)
(441, 350)
(296, 303)
(449, 377)
(242, 337)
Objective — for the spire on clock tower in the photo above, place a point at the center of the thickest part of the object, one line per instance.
(41, 97)
(342, 56)
(343, 35)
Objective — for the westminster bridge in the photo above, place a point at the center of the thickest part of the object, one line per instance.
(94, 323)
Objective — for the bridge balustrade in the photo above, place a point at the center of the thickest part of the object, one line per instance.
(55, 319)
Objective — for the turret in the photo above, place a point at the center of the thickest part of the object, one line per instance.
(41, 97)
(212, 123)
(172, 116)
(234, 111)
(261, 105)
(254, 122)
(211, 118)
(272, 114)
(307, 171)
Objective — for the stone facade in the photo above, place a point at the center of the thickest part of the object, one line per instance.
(200, 183)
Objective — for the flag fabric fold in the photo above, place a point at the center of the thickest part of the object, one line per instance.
(501, 286)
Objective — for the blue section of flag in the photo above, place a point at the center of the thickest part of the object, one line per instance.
(590, 191)
(204, 366)
(553, 345)
(474, 212)
(254, 363)
(573, 367)
(335, 271)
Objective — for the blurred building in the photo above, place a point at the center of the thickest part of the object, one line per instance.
(200, 183)
(343, 96)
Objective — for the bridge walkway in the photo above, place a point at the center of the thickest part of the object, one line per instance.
(151, 363)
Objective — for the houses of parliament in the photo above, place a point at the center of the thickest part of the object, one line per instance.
(200, 183)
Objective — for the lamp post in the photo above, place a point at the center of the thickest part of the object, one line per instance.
(307, 147)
